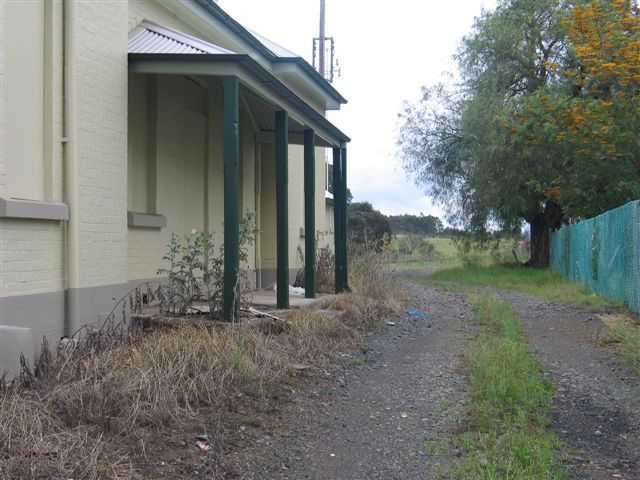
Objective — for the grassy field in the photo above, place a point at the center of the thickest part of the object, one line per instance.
(510, 401)
(446, 254)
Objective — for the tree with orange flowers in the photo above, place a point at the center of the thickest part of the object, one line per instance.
(594, 126)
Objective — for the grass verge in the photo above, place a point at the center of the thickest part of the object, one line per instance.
(541, 283)
(622, 331)
(507, 436)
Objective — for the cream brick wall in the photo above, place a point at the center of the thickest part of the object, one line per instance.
(140, 10)
(32, 256)
(296, 205)
(32, 251)
(182, 146)
(102, 140)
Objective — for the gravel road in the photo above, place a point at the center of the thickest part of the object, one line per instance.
(373, 413)
(371, 418)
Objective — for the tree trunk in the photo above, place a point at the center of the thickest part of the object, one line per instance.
(541, 226)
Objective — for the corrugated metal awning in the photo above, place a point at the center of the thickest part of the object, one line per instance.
(149, 37)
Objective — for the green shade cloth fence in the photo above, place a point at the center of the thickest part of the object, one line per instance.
(603, 253)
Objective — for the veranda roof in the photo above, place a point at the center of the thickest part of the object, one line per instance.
(154, 49)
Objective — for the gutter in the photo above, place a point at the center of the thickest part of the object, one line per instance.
(70, 161)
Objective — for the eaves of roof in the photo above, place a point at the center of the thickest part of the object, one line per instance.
(211, 7)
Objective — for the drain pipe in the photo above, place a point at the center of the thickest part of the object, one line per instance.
(72, 315)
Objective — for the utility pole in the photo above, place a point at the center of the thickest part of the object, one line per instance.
(321, 41)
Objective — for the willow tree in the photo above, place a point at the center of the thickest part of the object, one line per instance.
(458, 142)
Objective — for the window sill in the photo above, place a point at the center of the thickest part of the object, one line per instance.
(146, 220)
(33, 209)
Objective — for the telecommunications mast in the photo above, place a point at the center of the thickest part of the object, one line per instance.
(327, 64)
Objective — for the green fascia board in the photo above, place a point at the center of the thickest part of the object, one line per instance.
(266, 78)
(211, 7)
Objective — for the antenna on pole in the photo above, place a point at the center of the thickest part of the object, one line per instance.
(320, 47)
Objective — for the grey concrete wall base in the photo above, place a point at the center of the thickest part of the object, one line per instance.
(44, 314)
(41, 312)
(94, 304)
(13, 342)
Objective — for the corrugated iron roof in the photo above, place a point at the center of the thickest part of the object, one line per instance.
(149, 37)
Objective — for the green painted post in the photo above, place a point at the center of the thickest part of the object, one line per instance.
(343, 218)
(309, 214)
(282, 208)
(231, 151)
(337, 221)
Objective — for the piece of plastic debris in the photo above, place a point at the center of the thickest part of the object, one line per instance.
(196, 309)
(299, 366)
(203, 446)
(259, 314)
(298, 291)
(203, 438)
(332, 454)
(392, 324)
(404, 414)
(416, 314)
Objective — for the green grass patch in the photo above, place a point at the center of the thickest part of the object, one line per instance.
(625, 333)
(541, 283)
(508, 436)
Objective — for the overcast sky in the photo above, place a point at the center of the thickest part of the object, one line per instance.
(386, 53)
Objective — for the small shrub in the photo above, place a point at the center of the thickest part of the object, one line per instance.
(195, 273)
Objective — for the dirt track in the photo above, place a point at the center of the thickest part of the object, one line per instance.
(371, 416)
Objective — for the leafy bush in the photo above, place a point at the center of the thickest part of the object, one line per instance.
(195, 273)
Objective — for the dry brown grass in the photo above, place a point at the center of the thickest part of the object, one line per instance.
(374, 296)
(314, 338)
(86, 421)
(34, 444)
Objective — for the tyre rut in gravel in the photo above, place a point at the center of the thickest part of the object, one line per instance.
(372, 417)
(596, 409)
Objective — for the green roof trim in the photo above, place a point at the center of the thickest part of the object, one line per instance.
(211, 7)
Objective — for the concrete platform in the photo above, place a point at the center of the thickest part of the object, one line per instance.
(266, 299)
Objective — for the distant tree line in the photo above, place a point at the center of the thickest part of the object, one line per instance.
(416, 224)
(369, 228)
